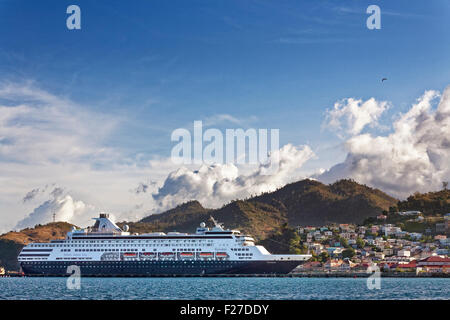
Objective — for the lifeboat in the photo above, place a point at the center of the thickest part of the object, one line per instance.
(186, 254)
(130, 254)
(148, 254)
(206, 254)
(167, 254)
(221, 255)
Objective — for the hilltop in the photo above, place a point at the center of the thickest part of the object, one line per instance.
(310, 202)
(306, 202)
(12, 242)
(430, 203)
(259, 219)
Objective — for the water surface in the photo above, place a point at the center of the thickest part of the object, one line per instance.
(224, 288)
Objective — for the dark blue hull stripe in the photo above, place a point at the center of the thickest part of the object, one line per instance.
(152, 268)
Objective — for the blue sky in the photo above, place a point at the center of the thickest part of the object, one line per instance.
(160, 65)
(167, 63)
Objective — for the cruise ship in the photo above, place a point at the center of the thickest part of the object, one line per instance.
(107, 250)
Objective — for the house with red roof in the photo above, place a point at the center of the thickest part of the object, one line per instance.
(435, 264)
(411, 266)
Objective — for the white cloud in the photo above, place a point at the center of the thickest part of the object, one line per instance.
(36, 127)
(46, 139)
(414, 157)
(221, 118)
(350, 116)
(49, 141)
(65, 208)
(217, 184)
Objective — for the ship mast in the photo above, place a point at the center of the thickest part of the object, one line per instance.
(216, 224)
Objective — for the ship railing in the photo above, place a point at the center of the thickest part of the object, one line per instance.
(102, 230)
(96, 232)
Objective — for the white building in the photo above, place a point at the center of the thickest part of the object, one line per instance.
(409, 213)
(404, 253)
(415, 235)
(389, 229)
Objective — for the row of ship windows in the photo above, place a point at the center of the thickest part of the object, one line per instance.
(124, 249)
(77, 258)
(136, 250)
(186, 266)
(132, 249)
(77, 243)
(50, 264)
(114, 245)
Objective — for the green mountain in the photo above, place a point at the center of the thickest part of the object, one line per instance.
(430, 203)
(256, 218)
(309, 202)
(306, 202)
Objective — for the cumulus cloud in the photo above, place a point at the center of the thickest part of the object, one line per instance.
(31, 195)
(143, 187)
(350, 116)
(413, 157)
(37, 127)
(63, 205)
(217, 184)
(45, 138)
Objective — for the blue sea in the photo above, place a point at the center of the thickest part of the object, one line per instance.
(224, 288)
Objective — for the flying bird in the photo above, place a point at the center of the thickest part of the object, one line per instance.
(383, 79)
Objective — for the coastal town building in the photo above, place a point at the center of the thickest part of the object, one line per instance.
(384, 244)
(409, 213)
(404, 253)
(333, 264)
(441, 227)
(435, 264)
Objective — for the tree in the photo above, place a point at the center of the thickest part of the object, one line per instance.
(393, 209)
(348, 253)
(360, 243)
(324, 256)
(343, 242)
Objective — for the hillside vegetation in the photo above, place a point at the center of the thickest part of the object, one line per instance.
(306, 202)
(12, 242)
(431, 203)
